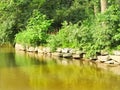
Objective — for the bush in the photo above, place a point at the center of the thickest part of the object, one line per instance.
(36, 30)
(66, 37)
(93, 35)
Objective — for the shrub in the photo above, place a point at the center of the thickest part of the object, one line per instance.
(93, 35)
(66, 37)
(36, 30)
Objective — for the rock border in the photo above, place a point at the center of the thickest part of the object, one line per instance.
(102, 57)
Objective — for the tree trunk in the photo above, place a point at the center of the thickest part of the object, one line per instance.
(103, 5)
(103, 9)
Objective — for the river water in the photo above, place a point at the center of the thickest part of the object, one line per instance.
(28, 71)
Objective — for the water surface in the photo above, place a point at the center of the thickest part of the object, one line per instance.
(27, 71)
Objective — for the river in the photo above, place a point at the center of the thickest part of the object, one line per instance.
(28, 71)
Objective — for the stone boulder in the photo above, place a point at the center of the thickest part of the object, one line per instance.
(57, 54)
(67, 55)
(66, 50)
(81, 53)
(48, 50)
(116, 58)
(32, 49)
(103, 58)
(73, 51)
(78, 52)
(112, 62)
(93, 58)
(59, 50)
(40, 50)
(76, 56)
(109, 62)
(20, 47)
(36, 49)
(117, 53)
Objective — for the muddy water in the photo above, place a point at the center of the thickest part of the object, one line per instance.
(26, 71)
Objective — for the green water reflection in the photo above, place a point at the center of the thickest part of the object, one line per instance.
(26, 71)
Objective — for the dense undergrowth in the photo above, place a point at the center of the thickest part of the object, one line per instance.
(36, 30)
(91, 35)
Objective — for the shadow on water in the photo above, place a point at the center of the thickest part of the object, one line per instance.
(10, 58)
(7, 58)
(26, 60)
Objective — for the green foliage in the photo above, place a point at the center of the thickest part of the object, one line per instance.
(14, 15)
(28, 38)
(36, 30)
(104, 31)
(92, 35)
(6, 20)
(81, 30)
(66, 37)
(67, 10)
(53, 42)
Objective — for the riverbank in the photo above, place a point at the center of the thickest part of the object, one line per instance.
(102, 57)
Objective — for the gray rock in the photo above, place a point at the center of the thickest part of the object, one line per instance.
(93, 58)
(20, 47)
(79, 52)
(103, 58)
(65, 50)
(109, 62)
(67, 55)
(40, 51)
(116, 58)
(76, 56)
(116, 63)
(44, 50)
(48, 50)
(117, 53)
(73, 51)
(31, 49)
(59, 50)
(36, 49)
(112, 62)
(57, 54)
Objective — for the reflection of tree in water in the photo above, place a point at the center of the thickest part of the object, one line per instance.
(10, 58)
(25, 59)
(7, 59)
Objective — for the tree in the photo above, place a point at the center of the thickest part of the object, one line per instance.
(14, 15)
(103, 5)
(67, 10)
